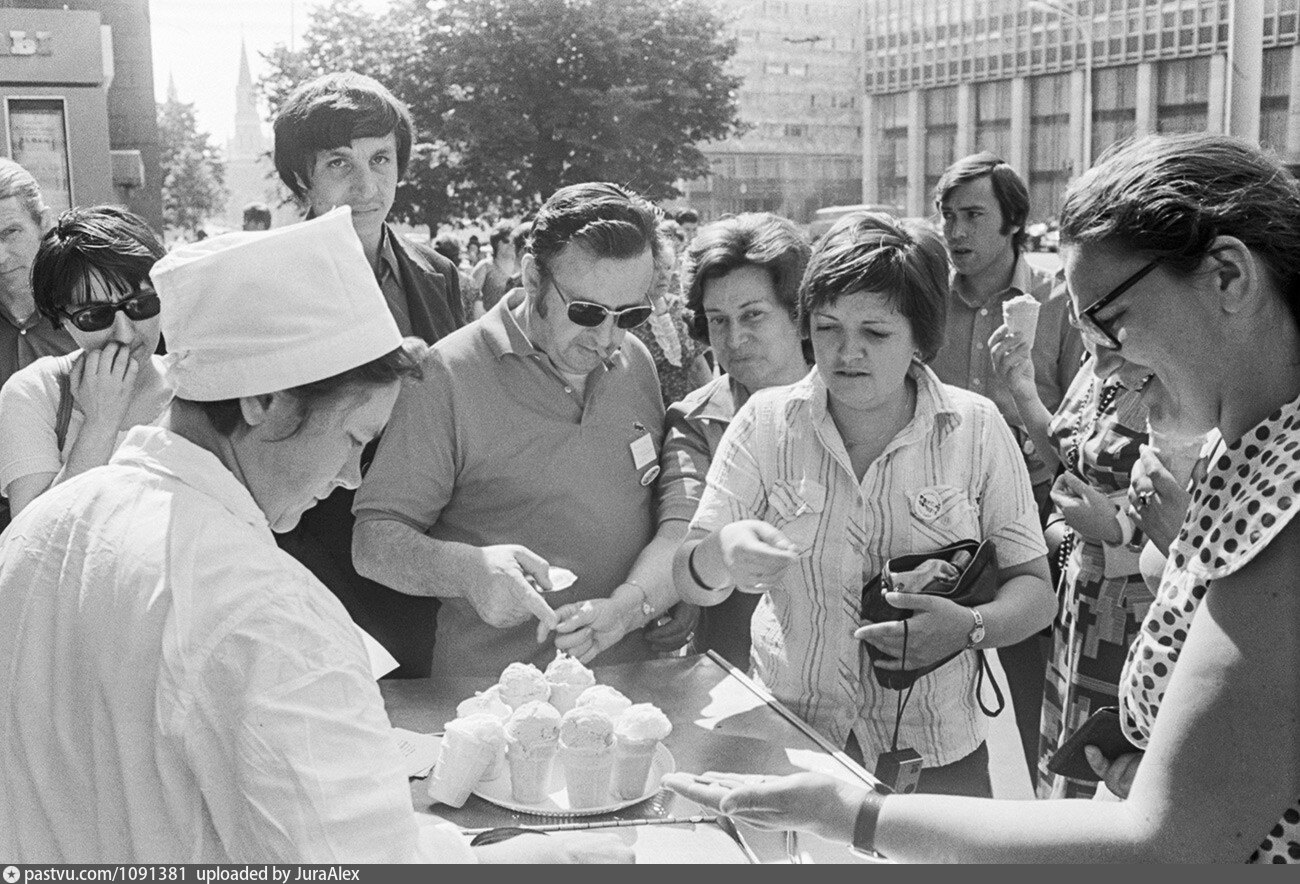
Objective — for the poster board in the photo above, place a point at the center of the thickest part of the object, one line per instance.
(37, 131)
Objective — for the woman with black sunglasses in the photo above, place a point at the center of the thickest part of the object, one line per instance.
(61, 416)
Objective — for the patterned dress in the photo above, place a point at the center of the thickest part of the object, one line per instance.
(1249, 494)
(1103, 598)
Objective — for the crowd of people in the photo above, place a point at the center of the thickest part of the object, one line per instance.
(233, 468)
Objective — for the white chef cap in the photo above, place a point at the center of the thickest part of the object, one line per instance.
(251, 313)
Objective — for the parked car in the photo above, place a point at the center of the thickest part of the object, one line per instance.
(824, 219)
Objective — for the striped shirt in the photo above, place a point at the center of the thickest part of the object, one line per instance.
(953, 473)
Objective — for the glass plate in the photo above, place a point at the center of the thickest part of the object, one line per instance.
(557, 802)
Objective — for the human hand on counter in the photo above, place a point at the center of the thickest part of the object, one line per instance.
(1157, 503)
(558, 848)
(810, 802)
(1118, 774)
(755, 553)
(587, 628)
(507, 596)
(937, 629)
(676, 630)
(1086, 510)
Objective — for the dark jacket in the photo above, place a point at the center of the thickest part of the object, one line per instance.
(432, 286)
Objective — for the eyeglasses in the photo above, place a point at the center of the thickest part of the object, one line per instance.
(589, 314)
(100, 315)
(1093, 329)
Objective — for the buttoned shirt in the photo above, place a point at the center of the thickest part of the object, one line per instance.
(24, 343)
(963, 360)
(493, 446)
(953, 473)
(693, 430)
(174, 688)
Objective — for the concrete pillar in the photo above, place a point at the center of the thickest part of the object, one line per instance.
(1293, 109)
(1021, 109)
(1246, 67)
(1147, 99)
(915, 153)
(966, 119)
(1078, 164)
(1216, 116)
(870, 151)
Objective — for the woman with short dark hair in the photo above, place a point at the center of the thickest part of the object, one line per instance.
(1182, 254)
(63, 415)
(815, 485)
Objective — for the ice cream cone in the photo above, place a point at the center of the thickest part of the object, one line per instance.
(1021, 316)
(632, 760)
(460, 767)
(1178, 452)
(530, 770)
(587, 775)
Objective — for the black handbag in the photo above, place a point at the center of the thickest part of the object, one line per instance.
(977, 585)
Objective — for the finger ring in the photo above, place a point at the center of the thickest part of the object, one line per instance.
(1143, 499)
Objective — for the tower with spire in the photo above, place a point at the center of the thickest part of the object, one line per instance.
(248, 142)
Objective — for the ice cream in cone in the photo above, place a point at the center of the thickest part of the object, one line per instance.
(1179, 452)
(522, 683)
(587, 754)
(605, 698)
(1021, 316)
(488, 703)
(568, 678)
(470, 747)
(532, 740)
(636, 734)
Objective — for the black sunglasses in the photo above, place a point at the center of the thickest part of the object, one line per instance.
(589, 314)
(100, 315)
(1092, 328)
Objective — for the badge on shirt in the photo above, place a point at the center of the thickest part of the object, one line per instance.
(643, 451)
(927, 504)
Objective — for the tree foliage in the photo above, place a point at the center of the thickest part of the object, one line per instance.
(515, 98)
(193, 188)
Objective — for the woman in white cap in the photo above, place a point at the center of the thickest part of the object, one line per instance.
(173, 687)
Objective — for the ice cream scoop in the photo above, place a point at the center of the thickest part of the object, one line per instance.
(568, 678)
(522, 683)
(1021, 316)
(605, 698)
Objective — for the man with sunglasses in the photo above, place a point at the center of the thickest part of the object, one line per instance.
(984, 206)
(531, 443)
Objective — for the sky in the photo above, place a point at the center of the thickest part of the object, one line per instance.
(197, 43)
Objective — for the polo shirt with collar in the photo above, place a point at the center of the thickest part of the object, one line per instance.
(964, 360)
(493, 447)
(23, 343)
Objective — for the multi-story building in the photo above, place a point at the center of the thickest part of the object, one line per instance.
(800, 64)
(1050, 85)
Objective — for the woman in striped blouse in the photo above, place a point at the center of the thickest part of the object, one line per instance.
(817, 484)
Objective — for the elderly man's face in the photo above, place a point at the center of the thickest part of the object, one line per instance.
(362, 175)
(20, 238)
(575, 274)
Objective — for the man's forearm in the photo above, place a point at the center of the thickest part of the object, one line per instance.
(653, 568)
(409, 561)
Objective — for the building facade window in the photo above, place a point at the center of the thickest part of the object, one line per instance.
(1183, 93)
(1274, 102)
(1114, 106)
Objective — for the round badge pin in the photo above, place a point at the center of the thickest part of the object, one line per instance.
(649, 475)
(928, 502)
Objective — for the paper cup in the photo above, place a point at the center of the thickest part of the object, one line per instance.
(632, 760)
(1021, 317)
(1178, 453)
(530, 771)
(587, 776)
(460, 766)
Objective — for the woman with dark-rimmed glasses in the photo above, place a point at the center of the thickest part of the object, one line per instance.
(63, 415)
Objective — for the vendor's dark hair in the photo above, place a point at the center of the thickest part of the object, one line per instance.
(1169, 196)
(330, 112)
(871, 252)
(104, 241)
(404, 362)
(758, 239)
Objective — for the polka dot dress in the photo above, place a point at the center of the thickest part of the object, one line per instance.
(1248, 495)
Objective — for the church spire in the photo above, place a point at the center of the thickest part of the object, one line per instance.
(173, 96)
(248, 141)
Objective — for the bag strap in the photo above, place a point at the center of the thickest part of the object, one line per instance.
(986, 667)
(63, 418)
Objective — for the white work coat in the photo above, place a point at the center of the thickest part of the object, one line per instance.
(174, 688)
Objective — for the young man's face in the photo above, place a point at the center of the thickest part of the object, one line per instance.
(972, 227)
(362, 175)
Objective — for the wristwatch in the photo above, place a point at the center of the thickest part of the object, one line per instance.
(977, 633)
